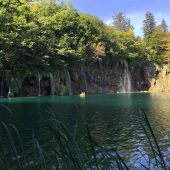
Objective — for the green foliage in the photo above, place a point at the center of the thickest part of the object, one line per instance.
(156, 40)
(164, 26)
(124, 45)
(121, 22)
(92, 36)
(157, 46)
(149, 25)
(47, 36)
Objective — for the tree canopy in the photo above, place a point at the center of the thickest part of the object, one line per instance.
(121, 22)
(47, 35)
(149, 25)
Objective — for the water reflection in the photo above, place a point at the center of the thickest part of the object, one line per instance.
(114, 120)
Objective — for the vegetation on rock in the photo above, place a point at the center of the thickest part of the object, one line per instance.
(51, 36)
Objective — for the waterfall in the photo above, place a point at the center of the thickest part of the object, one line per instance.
(121, 85)
(126, 78)
(84, 79)
(69, 82)
(9, 92)
(52, 84)
(39, 84)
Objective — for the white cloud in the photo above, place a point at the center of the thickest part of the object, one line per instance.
(108, 21)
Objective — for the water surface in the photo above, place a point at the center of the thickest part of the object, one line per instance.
(114, 120)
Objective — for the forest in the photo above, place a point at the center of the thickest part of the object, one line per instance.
(47, 37)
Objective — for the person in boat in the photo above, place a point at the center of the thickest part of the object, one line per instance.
(82, 94)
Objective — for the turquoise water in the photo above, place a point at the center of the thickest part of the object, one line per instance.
(114, 120)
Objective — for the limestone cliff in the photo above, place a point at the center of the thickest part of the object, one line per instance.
(92, 78)
(159, 78)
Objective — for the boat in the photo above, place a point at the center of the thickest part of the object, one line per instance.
(82, 94)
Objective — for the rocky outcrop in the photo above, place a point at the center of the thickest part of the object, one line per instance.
(92, 78)
(159, 78)
(98, 78)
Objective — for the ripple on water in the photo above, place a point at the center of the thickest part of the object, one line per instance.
(114, 120)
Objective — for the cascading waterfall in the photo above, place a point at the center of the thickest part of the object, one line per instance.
(126, 78)
(9, 92)
(52, 84)
(84, 81)
(121, 85)
(69, 82)
(39, 84)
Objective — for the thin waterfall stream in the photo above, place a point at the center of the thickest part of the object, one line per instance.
(9, 92)
(39, 84)
(52, 83)
(69, 83)
(125, 80)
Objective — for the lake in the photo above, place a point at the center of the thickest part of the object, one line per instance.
(114, 120)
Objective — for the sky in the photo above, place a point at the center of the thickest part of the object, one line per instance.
(134, 9)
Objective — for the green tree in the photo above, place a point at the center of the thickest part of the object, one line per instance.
(121, 22)
(47, 36)
(164, 26)
(123, 45)
(156, 47)
(148, 24)
(93, 37)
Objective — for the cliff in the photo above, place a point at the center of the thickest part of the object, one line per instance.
(91, 78)
(159, 78)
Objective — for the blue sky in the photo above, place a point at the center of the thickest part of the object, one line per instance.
(134, 9)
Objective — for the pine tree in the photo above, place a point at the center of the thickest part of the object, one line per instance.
(122, 22)
(149, 25)
(164, 26)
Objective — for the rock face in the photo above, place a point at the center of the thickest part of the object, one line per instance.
(32, 86)
(3, 87)
(118, 77)
(159, 78)
(93, 78)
